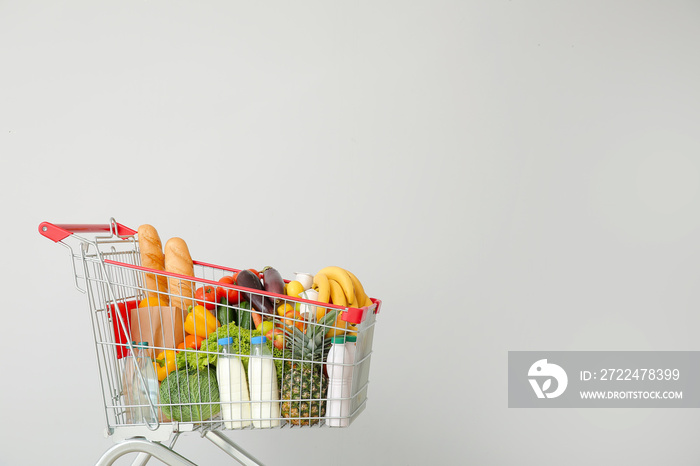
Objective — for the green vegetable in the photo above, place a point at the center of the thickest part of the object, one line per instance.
(245, 320)
(208, 353)
(194, 395)
(225, 313)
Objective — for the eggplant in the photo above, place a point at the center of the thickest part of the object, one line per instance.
(248, 279)
(273, 281)
(260, 303)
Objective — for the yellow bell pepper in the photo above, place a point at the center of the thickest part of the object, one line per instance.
(200, 322)
(165, 363)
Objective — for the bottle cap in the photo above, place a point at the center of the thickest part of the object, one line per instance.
(258, 340)
(225, 341)
(351, 338)
(142, 343)
(338, 340)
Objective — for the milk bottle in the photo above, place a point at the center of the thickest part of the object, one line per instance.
(233, 388)
(339, 364)
(262, 379)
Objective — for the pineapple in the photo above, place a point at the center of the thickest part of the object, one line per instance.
(304, 386)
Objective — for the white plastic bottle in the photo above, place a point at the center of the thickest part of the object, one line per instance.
(144, 412)
(262, 379)
(308, 311)
(132, 414)
(233, 388)
(339, 364)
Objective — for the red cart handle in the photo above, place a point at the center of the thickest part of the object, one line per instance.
(60, 232)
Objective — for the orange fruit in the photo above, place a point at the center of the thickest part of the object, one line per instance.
(151, 301)
(294, 319)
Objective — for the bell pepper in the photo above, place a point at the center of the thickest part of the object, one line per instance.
(200, 322)
(192, 341)
(165, 363)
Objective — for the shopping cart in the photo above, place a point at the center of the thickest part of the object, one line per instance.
(107, 269)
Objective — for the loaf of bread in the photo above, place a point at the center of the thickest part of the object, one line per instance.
(151, 251)
(178, 260)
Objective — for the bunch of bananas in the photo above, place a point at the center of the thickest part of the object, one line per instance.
(341, 287)
(332, 285)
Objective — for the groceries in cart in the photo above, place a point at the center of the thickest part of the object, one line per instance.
(246, 348)
(184, 345)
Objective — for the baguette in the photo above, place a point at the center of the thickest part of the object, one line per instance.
(178, 260)
(151, 251)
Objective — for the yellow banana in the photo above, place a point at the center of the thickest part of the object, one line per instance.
(358, 301)
(361, 301)
(362, 298)
(323, 287)
(337, 331)
(337, 294)
(341, 276)
(338, 298)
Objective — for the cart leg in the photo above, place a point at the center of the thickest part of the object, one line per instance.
(142, 458)
(156, 450)
(233, 450)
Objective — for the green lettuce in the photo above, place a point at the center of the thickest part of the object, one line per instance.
(208, 353)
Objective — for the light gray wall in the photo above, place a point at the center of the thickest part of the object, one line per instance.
(505, 175)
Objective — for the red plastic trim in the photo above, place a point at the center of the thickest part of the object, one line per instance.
(125, 231)
(53, 232)
(121, 339)
(378, 302)
(354, 315)
(59, 232)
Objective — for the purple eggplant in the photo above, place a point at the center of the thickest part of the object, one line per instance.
(248, 279)
(260, 303)
(273, 281)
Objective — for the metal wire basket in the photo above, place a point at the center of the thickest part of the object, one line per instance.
(107, 268)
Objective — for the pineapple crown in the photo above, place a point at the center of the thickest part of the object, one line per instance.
(311, 345)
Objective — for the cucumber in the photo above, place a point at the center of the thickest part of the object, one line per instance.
(225, 314)
(245, 320)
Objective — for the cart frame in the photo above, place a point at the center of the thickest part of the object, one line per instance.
(106, 268)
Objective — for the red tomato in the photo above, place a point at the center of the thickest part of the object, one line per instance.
(228, 279)
(230, 295)
(206, 296)
(233, 296)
